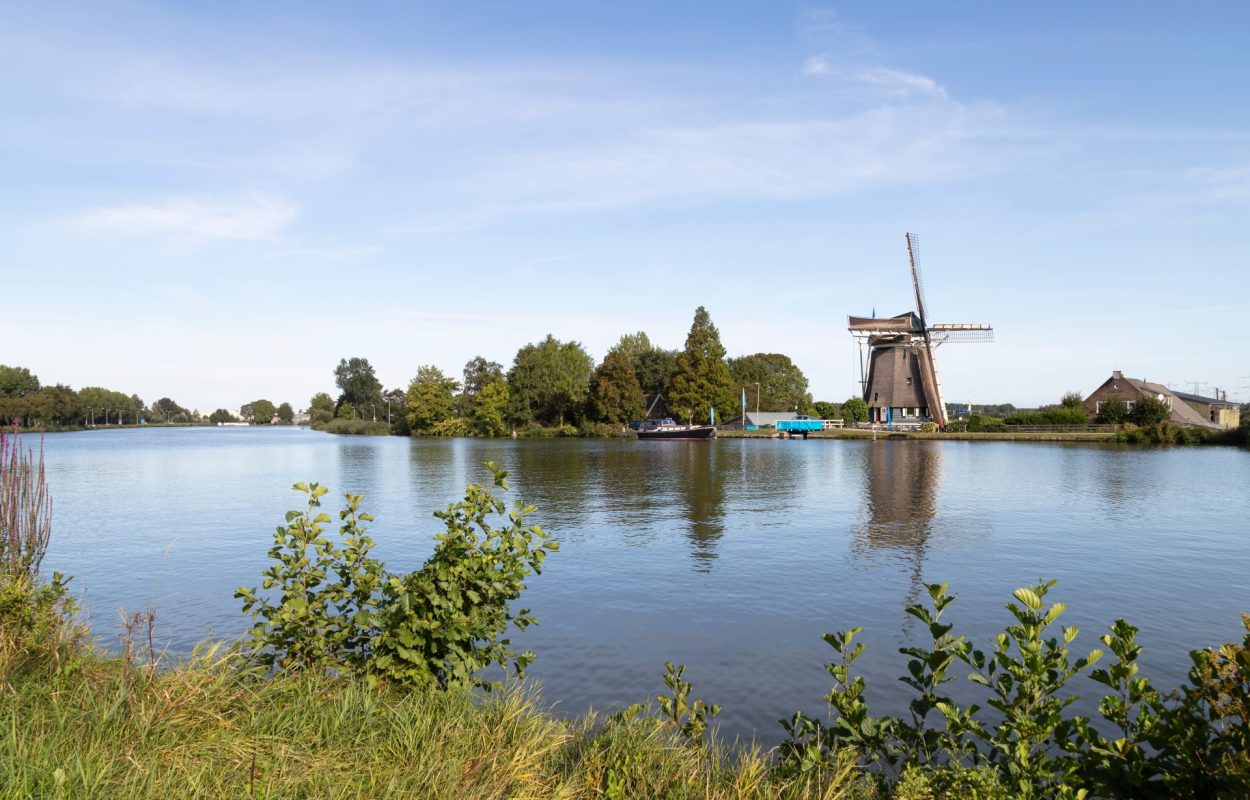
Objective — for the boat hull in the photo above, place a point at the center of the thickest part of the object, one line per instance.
(685, 433)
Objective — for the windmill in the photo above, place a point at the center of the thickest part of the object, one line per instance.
(901, 384)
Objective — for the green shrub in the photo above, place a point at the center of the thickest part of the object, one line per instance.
(332, 608)
(928, 427)
(1149, 411)
(957, 426)
(356, 427)
(454, 427)
(982, 424)
(1112, 411)
(1066, 415)
(599, 430)
(950, 782)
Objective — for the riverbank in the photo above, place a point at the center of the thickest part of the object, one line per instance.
(858, 433)
(83, 725)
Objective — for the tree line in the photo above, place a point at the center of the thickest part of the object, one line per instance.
(556, 386)
(26, 402)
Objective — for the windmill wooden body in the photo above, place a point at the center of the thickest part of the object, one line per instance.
(900, 381)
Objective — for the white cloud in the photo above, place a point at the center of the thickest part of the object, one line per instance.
(249, 217)
(898, 82)
(817, 65)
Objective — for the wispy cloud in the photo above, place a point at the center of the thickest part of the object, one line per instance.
(249, 217)
(880, 81)
(817, 66)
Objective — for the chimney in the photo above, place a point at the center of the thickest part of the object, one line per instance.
(1119, 376)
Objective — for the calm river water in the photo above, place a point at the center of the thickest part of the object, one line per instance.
(732, 556)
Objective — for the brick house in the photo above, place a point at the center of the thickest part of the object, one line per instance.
(1131, 389)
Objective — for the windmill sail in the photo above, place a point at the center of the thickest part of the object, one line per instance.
(928, 365)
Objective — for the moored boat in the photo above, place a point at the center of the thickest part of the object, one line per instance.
(668, 429)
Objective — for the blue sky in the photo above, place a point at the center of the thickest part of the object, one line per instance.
(216, 202)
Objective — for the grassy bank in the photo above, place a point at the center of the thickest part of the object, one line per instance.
(112, 727)
(857, 433)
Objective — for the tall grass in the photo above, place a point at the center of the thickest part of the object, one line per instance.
(211, 727)
(25, 508)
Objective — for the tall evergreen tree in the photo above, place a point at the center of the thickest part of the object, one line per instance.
(615, 395)
(702, 380)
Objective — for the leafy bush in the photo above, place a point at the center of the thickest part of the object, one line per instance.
(1192, 743)
(957, 426)
(356, 427)
(855, 409)
(454, 427)
(1166, 433)
(1112, 411)
(332, 608)
(1149, 411)
(928, 427)
(982, 424)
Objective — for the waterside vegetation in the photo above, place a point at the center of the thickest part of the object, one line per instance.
(359, 682)
(554, 388)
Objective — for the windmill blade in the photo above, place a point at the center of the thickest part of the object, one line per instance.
(913, 258)
(962, 332)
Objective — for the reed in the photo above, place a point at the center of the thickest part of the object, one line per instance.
(25, 508)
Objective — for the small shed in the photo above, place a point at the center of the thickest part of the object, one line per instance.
(758, 419)
(1217, 409)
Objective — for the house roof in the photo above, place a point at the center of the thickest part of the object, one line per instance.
(768, 417)
(1197, 398)
(1182, 412)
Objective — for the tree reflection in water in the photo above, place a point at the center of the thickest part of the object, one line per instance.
(703, 489)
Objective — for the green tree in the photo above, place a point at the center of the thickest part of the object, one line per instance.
(321, 402)
(615, 395)
(221, 415)
(359, 385)
(260, 412)
(549, 380)
(286, 414)
(167, 410)
(490, 409)
(1112, 411)
(102, 405)
(397, 409)
(346, 411)
(827, 410)
(54, 405)
(1072, 400)
(783, 386)
(855, 409)
(702, 379)
(321, 408)
(17, 381)
(431, 398)
(653, 366)
(478, 372)
(1149, 411)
